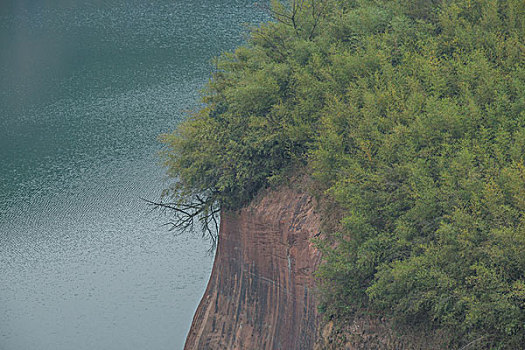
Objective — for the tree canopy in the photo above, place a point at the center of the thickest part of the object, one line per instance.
(411, 117)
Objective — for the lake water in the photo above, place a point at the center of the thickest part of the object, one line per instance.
(85, 88)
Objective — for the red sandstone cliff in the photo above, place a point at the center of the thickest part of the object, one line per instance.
(261, 291)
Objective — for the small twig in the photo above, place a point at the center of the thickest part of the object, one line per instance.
(472, 342)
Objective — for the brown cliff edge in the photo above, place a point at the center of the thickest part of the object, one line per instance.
(261, 290)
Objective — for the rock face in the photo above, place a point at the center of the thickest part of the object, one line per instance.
(261, 290)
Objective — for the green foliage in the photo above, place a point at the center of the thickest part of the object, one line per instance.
(411, 115)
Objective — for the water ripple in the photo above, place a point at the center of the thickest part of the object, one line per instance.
(85, 88)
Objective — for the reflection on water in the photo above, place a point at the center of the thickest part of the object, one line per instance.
(85, 88)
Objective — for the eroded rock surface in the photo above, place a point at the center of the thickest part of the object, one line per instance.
(261, 290)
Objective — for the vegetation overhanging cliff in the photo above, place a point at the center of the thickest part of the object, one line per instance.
(410, 116)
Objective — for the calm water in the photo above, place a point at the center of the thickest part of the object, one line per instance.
(85, 88)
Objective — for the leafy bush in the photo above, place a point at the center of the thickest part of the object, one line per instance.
(409, 114)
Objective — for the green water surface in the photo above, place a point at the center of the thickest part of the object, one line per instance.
(85, 88)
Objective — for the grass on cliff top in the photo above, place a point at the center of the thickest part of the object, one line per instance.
(410, 116)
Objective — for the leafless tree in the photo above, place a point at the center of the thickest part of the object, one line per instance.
(289, 13)
(202, 212)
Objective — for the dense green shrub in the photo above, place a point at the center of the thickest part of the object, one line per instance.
(411, 115)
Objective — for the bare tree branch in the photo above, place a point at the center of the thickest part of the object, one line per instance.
(291, 15)
(185, 215)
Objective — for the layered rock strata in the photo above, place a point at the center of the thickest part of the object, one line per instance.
(261, 293)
